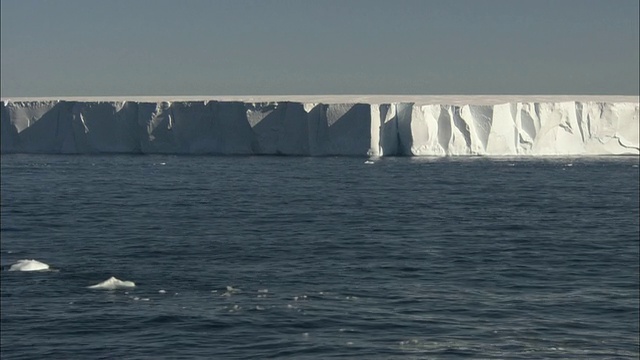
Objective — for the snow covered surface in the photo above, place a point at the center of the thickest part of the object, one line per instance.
(358, 125)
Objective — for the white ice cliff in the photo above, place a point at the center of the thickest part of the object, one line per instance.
(316, 126)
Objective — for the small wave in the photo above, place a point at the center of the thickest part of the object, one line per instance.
(29, 265)
(112, 283)
(12, 229)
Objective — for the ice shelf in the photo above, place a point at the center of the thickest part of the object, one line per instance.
(353, 125)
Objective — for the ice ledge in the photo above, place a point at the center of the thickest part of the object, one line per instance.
(359, 125)
(344, 99)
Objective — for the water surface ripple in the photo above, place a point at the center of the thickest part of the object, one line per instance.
(286, 257)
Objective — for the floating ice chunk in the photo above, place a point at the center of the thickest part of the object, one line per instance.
(162, 291)
(29, 265)
(369, 162)
(112, 283)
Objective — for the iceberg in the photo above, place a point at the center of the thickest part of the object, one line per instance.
(324, 125)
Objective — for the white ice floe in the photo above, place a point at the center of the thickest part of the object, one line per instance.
(112, 283)
(29, 265)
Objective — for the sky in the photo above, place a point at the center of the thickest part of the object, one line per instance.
(310, 47)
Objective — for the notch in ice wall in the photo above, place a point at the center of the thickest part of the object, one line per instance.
(318, 129)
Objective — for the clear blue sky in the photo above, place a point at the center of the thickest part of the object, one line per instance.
(240, 47)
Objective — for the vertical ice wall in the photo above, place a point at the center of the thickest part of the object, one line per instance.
(316, 129)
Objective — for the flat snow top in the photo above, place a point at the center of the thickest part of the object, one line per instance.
(350, 99)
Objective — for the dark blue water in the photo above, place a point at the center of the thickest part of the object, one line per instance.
(327, 257)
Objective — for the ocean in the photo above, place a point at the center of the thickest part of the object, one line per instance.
(241, 257)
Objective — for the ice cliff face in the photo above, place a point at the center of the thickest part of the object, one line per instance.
(320, 129)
